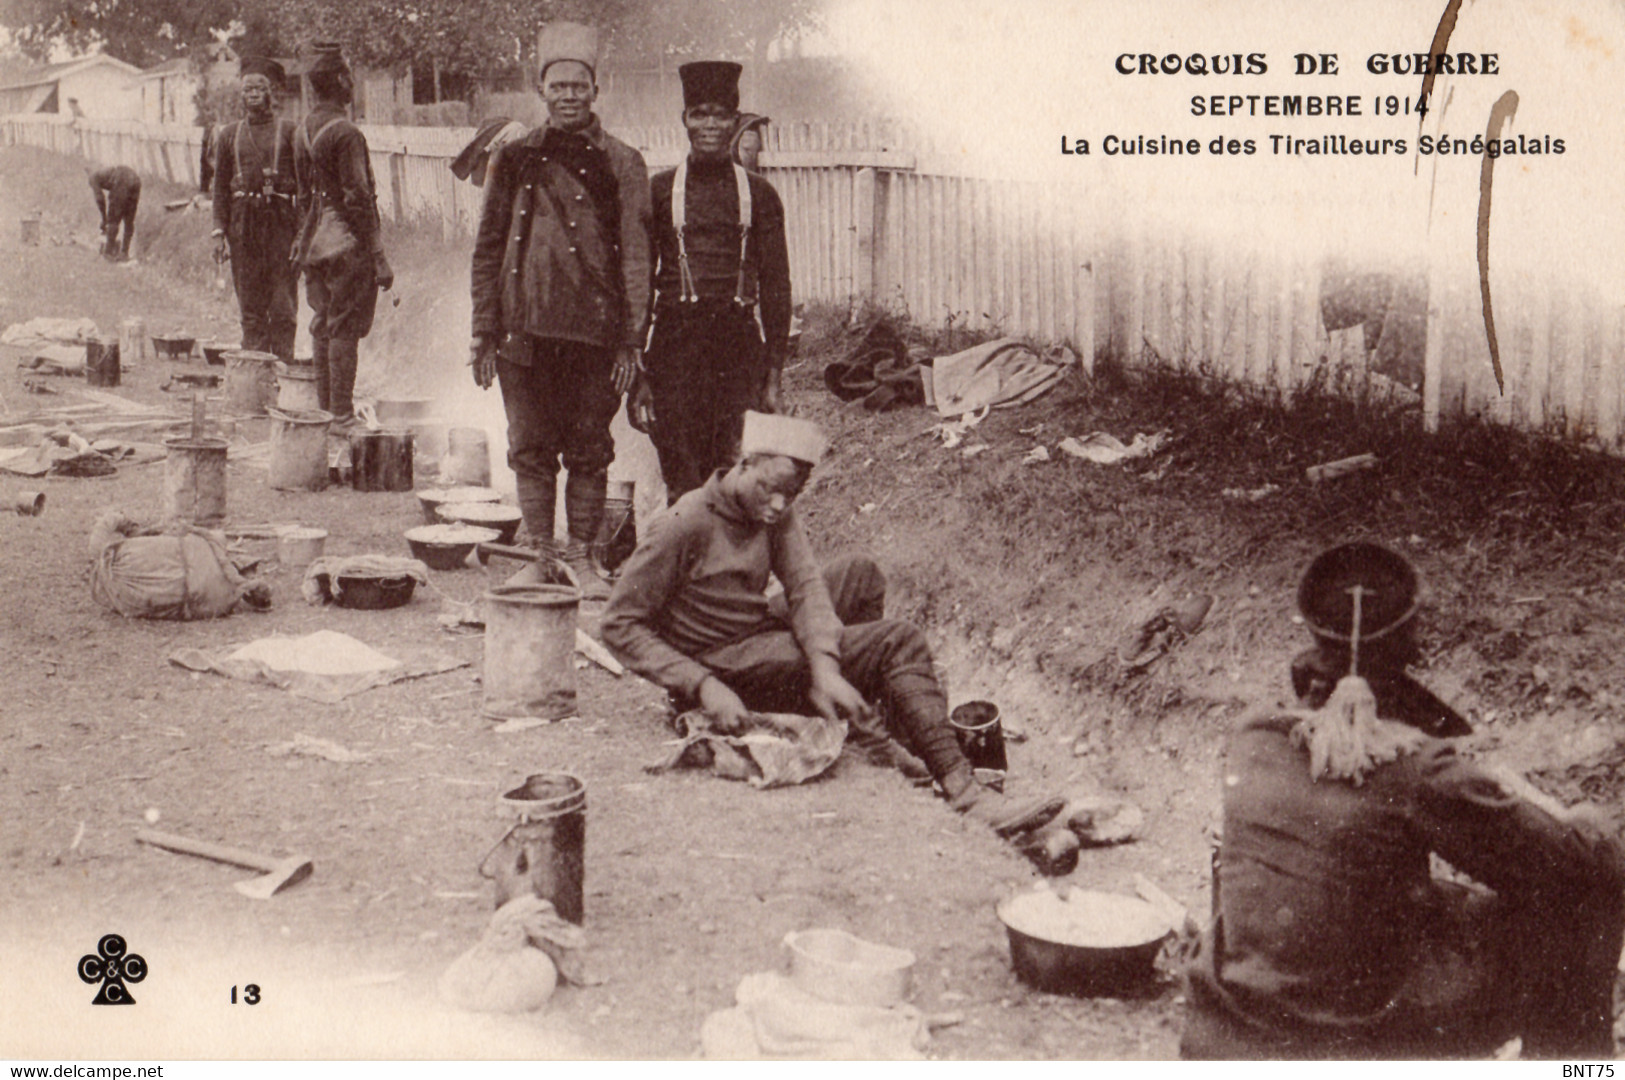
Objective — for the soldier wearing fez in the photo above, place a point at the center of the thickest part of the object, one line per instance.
(561, 295)
(255, 216)
(721, 256)
(1331, 937)
(339, 244)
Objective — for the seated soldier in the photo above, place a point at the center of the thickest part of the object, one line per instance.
(690, 613)
(1330, 937)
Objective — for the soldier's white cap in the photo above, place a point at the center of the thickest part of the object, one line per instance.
(567, 41)
(769, 433)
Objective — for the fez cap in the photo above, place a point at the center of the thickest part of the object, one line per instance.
(770, 433)
(710, 82)
(567, 41)
(263, 65)
(329, 59)
(1388, 585)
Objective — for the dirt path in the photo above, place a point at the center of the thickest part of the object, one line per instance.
(1028, 578)
(691, 882)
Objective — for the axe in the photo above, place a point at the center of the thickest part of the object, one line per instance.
(276, 874)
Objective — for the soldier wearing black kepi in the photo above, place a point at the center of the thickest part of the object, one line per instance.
(254, 211)
(339, 245)
(719, 240)
(560, 279)
(118, 192)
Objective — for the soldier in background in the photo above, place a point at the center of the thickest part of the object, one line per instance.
(255, 214)
(117, 189)
(339, 244)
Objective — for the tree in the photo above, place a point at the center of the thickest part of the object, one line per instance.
(141, 32)
(740, 29)
(471, 38)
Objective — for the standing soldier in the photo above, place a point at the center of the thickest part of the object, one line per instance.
(719, 239)
(339, 245)
(254, 192)
(561, 295)
(118, 192)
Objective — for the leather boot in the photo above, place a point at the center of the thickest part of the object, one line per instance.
(1005, 815)
(584, 512)
(342, 357)
(537, 495)
(318, 352)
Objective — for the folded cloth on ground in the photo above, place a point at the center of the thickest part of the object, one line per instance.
(55, 360)
(776, 1019)
(321, 582)
(776, 749)
(1000, 372)
(324, 666)
(45, 331)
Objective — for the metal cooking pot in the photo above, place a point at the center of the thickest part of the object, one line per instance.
(1080, 970)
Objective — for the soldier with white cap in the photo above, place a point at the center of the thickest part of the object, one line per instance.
(561, 295)
(690, 613)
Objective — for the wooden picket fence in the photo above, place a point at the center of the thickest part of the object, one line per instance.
(874, 213)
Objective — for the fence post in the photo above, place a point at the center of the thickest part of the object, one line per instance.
(397, 167)
(864, 191)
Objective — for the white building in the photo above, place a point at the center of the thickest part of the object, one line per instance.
(103, 87)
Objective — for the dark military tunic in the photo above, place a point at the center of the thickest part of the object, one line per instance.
(708, 359)
(255, 194)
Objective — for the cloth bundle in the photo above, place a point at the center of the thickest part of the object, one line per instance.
(775, 750)
(882, 371)
(186, 576)
(515, 966)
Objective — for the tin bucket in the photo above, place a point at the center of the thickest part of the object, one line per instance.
(618, 531)
(195, 481)
(381, 460)
(250, 382)
(296, 387)
(299, 547)
(544, 852)
(530, 647)
(468, 458)
(29, 230)
(101, 362)
(299, 449)
(976, 725)
(132, 342)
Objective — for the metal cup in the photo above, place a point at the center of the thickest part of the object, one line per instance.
(30, 503)
(981, 738)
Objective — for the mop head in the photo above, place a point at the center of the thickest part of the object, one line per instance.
(1345, 737)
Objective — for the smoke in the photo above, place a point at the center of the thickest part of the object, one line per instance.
(420, 350)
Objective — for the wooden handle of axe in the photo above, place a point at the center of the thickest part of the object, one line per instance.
(248, 860)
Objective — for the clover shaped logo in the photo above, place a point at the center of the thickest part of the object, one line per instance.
(112, 968)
